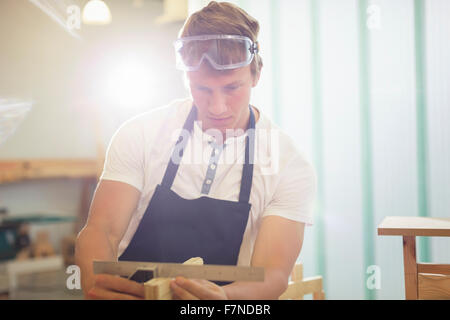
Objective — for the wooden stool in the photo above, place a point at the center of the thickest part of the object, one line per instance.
(425, 281)
(299, 286)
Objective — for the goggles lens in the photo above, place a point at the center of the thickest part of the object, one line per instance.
(221, 51)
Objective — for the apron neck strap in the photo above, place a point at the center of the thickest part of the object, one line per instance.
(182, 141)
(247, 172)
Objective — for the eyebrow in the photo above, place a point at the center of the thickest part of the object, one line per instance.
(235, 83)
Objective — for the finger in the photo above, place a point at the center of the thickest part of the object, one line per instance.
(174, 295)
(180, 293)
(205, 283)
(115, 283)
(119, 284)
(99, 293)
(198, 288)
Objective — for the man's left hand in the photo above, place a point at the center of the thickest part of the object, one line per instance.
(196, 289)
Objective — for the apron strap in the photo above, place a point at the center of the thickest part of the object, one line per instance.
(172, 168)
(247, 172)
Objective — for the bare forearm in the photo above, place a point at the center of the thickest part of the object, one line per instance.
(92, 244)
(274, 284)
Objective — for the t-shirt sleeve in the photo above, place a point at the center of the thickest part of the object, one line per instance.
(295, 193)
(125, 156)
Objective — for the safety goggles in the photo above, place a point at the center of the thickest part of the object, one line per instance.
(221, 51)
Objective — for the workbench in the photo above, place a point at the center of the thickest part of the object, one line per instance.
(427, 281)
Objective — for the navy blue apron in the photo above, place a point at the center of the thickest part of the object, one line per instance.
(174, 229)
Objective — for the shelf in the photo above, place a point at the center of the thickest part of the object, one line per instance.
(29, 169)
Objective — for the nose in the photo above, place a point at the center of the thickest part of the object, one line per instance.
(217, 104)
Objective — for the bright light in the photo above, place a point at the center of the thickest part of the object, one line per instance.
(129, 84)
(96, 12)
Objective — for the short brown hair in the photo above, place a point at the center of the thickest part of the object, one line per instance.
(224, 18)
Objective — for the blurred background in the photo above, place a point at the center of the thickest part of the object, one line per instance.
(363, 87)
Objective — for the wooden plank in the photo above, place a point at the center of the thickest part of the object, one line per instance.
(159, 288)
(410, 266)
(312, 284)
(19, 170)
(296, 276)
(319, 295)
(293, 291)
(300, 288)
(297, 273)
(434, 287)
(433, 268)
(415, 226)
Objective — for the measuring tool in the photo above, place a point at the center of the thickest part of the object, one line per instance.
(144, 271)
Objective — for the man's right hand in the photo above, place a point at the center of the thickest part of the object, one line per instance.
(109, 216)
(110, 287)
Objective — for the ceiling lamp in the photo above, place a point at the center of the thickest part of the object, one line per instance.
(96, 12)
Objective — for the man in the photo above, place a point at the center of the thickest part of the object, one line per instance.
(192, 178)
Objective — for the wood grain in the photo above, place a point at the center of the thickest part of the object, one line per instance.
(410, 266)
(434, 286)
(433, 268)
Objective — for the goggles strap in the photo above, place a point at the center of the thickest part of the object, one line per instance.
(255, 47)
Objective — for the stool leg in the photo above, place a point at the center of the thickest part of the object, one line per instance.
(410, 265)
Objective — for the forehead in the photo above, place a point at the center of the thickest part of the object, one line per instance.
(207, 75)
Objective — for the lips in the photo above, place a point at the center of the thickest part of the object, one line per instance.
(219, 120)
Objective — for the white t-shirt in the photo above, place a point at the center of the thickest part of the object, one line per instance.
(284, 182)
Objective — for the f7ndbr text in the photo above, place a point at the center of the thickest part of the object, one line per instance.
(247, 309)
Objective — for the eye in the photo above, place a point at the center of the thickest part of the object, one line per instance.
(231, 88)
(203, 89)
